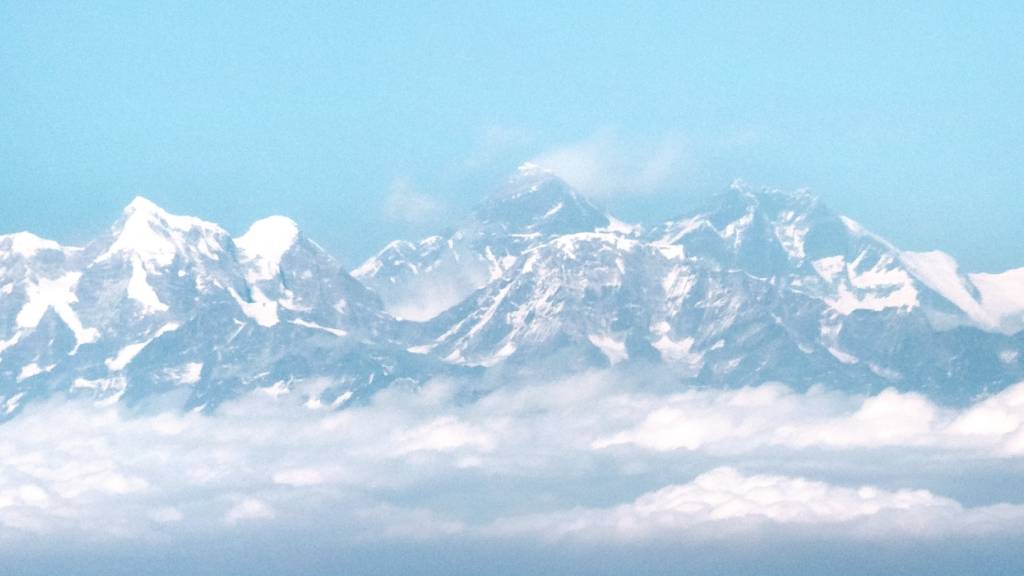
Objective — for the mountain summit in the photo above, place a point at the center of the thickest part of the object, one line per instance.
(419, 280)
(535, 200)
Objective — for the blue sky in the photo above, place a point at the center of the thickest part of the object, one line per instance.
(370, 121)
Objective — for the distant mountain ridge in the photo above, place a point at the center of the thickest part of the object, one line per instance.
(170, 304)
(753, 286)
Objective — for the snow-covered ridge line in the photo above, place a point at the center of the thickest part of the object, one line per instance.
(26, 245)
(97, 321)
(754, 286)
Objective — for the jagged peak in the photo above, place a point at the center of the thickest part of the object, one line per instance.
(741, 189)
(741, 200)
(143, 205)
(759, 224)
(534, 193)
(142, 211)
(154, 235)
(531, 178)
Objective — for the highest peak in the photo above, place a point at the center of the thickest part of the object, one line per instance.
(535, 199)
(531, 179)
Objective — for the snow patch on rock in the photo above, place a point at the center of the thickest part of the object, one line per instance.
(59, 294)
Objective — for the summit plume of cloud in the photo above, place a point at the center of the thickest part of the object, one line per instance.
(606, 165)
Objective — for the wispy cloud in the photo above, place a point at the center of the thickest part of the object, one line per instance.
(405, 204)
(496, 143)
(248, 509)
(606, 165)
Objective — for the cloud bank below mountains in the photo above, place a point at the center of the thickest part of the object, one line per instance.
(590, 458)
(724, 502)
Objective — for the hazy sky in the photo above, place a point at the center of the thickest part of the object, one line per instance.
(367, 122)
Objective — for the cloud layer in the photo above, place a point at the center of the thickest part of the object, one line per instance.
(595, 457)
(773, 415)
(726, 503)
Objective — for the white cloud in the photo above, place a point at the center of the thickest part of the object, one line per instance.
(495, 143)
(724, 496)
(166, 515)
(298, 477)
(997, 420)
(444, 459)
(248, 509)
(442, 434)
(25, 495)
(773, 415)
(407, 205)
(605, 165)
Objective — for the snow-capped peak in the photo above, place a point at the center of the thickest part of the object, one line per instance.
(265, 243)
(142, 209)
(143, 205)
(155, 236)
(530, 178)
(535, 199)
(26, 244)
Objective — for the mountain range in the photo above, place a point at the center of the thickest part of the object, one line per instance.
(753, 286)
